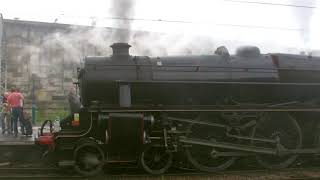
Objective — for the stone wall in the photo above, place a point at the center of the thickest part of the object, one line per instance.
(39, 59)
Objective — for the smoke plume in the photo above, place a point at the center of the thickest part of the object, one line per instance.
(303, 17)
(122, 10)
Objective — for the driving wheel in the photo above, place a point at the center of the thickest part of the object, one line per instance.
(207, 158)
(285, 130)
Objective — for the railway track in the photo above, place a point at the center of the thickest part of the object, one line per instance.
(54, 173)
(34, 173)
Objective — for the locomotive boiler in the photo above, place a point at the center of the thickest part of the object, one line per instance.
(211, 108)
(248, 76)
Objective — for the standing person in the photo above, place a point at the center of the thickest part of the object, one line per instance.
(5, 115)
(10, 110)
(74, 101)
(14, 101)
(2, 112)
(22, 120)
(75, 106)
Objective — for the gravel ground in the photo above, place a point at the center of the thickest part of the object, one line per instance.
(288, 174)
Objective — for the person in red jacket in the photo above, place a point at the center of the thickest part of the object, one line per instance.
(15, 100)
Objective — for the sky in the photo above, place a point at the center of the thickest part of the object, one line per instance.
(274, 26)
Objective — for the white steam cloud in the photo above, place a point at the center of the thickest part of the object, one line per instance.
(122, 9)
(303, 17)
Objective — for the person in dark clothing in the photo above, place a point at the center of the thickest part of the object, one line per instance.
(11, 117)
(26, 125)
(74, 101)
(75, 106)
(5, 115)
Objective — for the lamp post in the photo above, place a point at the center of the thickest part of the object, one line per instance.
(34, 107)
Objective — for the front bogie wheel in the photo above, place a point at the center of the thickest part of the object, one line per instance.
(156, 160)
(89, 159)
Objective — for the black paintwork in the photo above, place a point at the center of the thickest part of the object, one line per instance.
(187, 80)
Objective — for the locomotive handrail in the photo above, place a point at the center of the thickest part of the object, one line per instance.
(202, 66)
(44, 124)
(221, 82)
(205, 108)
(81, 134)
(183, 66)
(234, 70)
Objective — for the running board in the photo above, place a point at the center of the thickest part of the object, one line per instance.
(66, 163)
(302, 151)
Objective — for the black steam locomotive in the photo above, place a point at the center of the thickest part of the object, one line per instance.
(211, 108)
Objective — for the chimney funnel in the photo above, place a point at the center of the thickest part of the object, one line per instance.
(120, 49)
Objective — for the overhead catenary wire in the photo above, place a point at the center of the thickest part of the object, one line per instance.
(204, 22)
(247, 26)
(230, 25)
(272, 4)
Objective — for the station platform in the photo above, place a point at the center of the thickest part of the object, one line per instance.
(20, 140)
